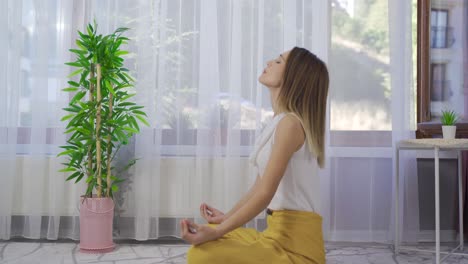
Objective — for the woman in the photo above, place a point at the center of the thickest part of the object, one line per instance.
(287, 156)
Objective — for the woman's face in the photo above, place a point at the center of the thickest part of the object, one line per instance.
(273, 73)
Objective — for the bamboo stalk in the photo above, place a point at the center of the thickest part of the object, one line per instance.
(90, 152)
(109, 148)
(98, 128)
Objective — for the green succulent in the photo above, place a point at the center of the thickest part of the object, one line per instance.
(448, 118)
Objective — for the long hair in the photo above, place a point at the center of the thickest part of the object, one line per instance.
(304, 93)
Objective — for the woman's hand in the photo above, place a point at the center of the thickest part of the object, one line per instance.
(197, 234)
(211, 214)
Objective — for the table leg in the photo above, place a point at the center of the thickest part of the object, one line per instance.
(460, 197)
(437, 205)
(397, 198)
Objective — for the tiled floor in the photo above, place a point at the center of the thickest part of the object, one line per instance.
(25, 252)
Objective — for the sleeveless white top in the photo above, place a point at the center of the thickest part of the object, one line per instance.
(299, 188)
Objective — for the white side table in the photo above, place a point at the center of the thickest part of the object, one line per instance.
(437, 145)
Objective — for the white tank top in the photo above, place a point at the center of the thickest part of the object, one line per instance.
(299, 188)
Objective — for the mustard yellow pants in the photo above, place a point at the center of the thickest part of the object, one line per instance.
(291, 237)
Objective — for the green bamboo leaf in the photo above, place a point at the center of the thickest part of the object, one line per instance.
(74, 64)
(73, 83)
(74, 110)
(121, 52)
(124, 85)
(117, 83)
(143, 120)
(119, 60)
(77, 120)
(120, 135)
(67, 170)
(75, 73)
(83, 131)
(89, 179)
(115, 188)
(130, 129)
(136, 107)
(84, 62)
(90, 30)
(79, 52)
(68, 147)
(91, 27)
(90, 188)
(67, 117)
(121, 29)
(70, 89)
(109, 86)
(128, 76)
(122, 77)
(127, 96)
(77, 97)
(66, 152)
(70, 130)
(83, 36)
(73, 175)
(134, 123)
(79, 178)
(138, 112)
(127, 104)
(81, 44)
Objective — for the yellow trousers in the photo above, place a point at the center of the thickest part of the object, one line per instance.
(291, 237)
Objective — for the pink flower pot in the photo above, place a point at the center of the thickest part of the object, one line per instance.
(96, 218)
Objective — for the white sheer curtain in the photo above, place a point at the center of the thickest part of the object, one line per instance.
(196, 63)
(34, 199)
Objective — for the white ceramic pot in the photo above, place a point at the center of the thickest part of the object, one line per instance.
(448, 132)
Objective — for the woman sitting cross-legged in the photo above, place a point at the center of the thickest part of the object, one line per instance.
(287, 156)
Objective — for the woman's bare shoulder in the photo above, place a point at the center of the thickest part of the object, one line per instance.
(290, 131)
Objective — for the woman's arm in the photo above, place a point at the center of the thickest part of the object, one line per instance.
(243, 200)
(214, 216)
(289, 137)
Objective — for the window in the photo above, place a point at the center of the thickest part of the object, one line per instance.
(359, 64)
(439, 87)
(439, 28)
(442, 74)
(360, 90)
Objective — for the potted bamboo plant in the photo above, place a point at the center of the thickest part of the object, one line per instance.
(448, 120)
(100, 119)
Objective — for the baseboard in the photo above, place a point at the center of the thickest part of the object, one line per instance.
(445, 236)
(380, 236)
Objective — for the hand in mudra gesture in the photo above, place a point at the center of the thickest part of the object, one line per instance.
(211, 214)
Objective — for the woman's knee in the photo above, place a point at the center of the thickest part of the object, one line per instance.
(208, 253)
(199, 255)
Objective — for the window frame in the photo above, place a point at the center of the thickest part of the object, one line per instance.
(446, 27)
(443, 80)
(426, 127)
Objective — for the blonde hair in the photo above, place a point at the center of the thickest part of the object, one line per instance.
(304, 93)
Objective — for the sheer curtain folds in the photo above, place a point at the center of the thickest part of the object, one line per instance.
(196, 65)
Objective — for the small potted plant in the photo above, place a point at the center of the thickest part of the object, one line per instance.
(448, 120)
(100, 119)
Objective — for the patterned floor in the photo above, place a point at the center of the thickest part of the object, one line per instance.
(27, 252)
